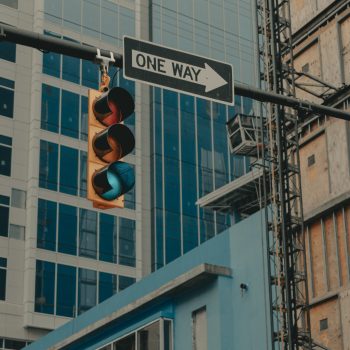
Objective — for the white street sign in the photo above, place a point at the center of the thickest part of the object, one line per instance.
(177, 70)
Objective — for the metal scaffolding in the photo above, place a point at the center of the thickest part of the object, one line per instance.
(290, 320)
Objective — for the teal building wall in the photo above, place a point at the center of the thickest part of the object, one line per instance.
(236, 318)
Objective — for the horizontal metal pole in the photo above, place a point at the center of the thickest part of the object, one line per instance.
(66, 47)
(52, 44)
(265, 96)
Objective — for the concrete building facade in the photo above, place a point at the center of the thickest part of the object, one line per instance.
(60, 257)
(321, 36)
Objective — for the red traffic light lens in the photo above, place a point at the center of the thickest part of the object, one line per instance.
(113, 106)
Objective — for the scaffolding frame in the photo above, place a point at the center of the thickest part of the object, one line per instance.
(290, 318)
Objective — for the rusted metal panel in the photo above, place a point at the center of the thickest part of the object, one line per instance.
(342, 247)
(345, 48)
(330, 336)
(309, 264)
(315, 177)
(332, 261)
(344, 300)
(318, 265)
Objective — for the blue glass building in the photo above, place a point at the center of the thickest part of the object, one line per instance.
(59, 256)
(190, 156)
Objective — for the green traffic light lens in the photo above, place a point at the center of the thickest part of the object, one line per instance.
(113, 181)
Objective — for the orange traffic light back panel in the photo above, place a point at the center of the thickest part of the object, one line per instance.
(93, 162)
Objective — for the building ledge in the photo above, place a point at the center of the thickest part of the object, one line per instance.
(323, 299)
(241, 194)
(327, 207)
(195, 277)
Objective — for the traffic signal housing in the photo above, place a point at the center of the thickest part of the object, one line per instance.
(108, 142)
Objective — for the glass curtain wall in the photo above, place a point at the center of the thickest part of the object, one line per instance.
(190, 152)
(70, 225)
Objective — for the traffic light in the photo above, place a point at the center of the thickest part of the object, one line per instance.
(109, 141)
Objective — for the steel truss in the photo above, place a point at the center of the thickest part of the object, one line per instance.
(290, 320)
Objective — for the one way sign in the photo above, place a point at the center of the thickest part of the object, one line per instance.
(177, 70)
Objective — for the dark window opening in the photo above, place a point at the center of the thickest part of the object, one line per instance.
(324, 324)
(8, 51)
(7, 96)
(3, 266)
(4, 216)
(305, 68)
(311, 160)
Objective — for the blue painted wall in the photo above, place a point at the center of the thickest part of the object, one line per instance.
(236, 320)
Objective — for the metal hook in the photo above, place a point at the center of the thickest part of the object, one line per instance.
(104, 61)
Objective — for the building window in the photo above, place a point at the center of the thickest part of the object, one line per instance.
(17, 232)
(109, 239)
(46, 228)
(69, 158)
(107, 347)
(71, 119)
(88, 233)
(50, 98)
(90, 75)
(44, 287)
(48, 165)
(18, 198)
(128, 342)
(154, 336)
(107, 286)
(149, 336)
(67, 229)
(70, 164)
(5, 154)
(71, 67)
(10, 3)
(114, 236)
(129, 197)
(83, 175)
(84, 118)
(168, 334)
(127, 242)
(125, 282)
(87, 291)
(7, 96)
(8, 51)
(14, 344)
(3, 268)
(323, 324)
(199, 329)
(311, 160)
(77, 16)
(52, 63)
(4, 215)
(66, 282)
(305, 68)
(70, 114)
(52, 60)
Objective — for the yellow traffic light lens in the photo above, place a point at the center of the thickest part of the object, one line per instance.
(113, 143)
